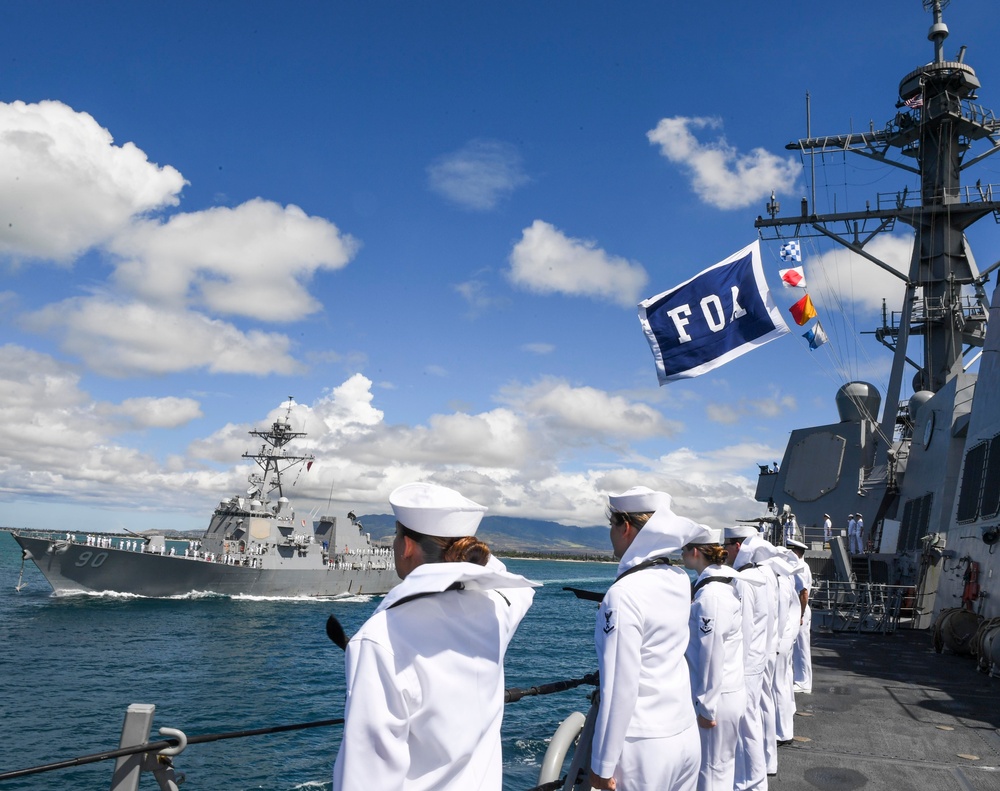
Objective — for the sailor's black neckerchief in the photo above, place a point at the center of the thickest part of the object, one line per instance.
(646, 564)
(701, 584)
(455, 586)
(746, 566)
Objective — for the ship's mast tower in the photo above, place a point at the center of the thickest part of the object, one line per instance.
(931, 135)
(272, 458)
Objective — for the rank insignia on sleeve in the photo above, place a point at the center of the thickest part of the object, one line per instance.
(706, 625)
(608, 626)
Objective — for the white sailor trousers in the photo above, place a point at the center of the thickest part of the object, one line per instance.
(750, 768)
(802, 661)
(669, 763)
(784, 697)
(768, 714)
(718, 744)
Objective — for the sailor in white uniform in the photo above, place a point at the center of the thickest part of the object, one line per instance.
(827, 529)
(853, 539)
(645, 736)
(715, 658)
(783, 563)
(802, 656)
(759, 619)
(425, 680)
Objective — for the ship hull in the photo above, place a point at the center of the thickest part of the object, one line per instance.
(73, 567)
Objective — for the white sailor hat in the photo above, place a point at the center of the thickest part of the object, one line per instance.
(826, 515)
(793, 543)
(639, 500)
(706, 535)
(740, 531)
(435, 510)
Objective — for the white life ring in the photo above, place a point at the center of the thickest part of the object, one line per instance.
(562, 740)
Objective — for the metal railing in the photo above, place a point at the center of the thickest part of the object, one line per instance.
(861, 607)
(136, 754)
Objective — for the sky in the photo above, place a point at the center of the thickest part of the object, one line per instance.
(430, 225)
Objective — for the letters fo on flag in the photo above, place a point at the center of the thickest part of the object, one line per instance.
(790, 251)
(816, 336)
(716, 316)
(793, 278)
(803, 310)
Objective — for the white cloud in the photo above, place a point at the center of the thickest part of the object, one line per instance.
(56, 443)
(586, 414)
(524, 458)
(839, 278)
(721, 176)
(539, 348)
(168, 412)
(479, 175)
(547, 261)
(120, 338)
(480, 295)
(252, 260)
(65, 187)
(731, 413)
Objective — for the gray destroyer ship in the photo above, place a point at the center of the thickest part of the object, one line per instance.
(923, 469)
(255, 545)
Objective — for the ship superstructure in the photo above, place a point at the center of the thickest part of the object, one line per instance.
(924, 472)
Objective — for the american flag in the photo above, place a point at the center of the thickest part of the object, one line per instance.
(915, 102)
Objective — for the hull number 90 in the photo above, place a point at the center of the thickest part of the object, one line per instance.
(93, 559)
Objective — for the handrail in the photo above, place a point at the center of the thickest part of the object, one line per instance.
(161, 746)
(164, 744)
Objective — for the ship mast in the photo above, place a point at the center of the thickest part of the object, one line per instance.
(934, 129)
(272, 458)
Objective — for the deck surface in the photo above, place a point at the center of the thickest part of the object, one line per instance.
(887, 712)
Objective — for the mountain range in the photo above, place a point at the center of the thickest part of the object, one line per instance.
(513, 534)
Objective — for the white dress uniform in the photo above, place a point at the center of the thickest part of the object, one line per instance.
(751, 772)
(646, 735)
(425, 682)
(778, 700)
(715, 657)
(802, 655)
(853, 539)
(788, 624)
(425, 679)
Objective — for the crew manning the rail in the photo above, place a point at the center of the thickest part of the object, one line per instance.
(425, 681)
(646, 733)
(711, 721)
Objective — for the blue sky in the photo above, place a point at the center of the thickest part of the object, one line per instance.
(430, 224)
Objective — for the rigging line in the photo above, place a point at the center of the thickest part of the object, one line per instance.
(861, 349)
(829, 294)
(329, 502)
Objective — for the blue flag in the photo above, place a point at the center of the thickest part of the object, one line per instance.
(716, 316)
(816, 336)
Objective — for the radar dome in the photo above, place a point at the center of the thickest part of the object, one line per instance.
(857, 401)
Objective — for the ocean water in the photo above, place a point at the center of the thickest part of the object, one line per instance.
(71, 665)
